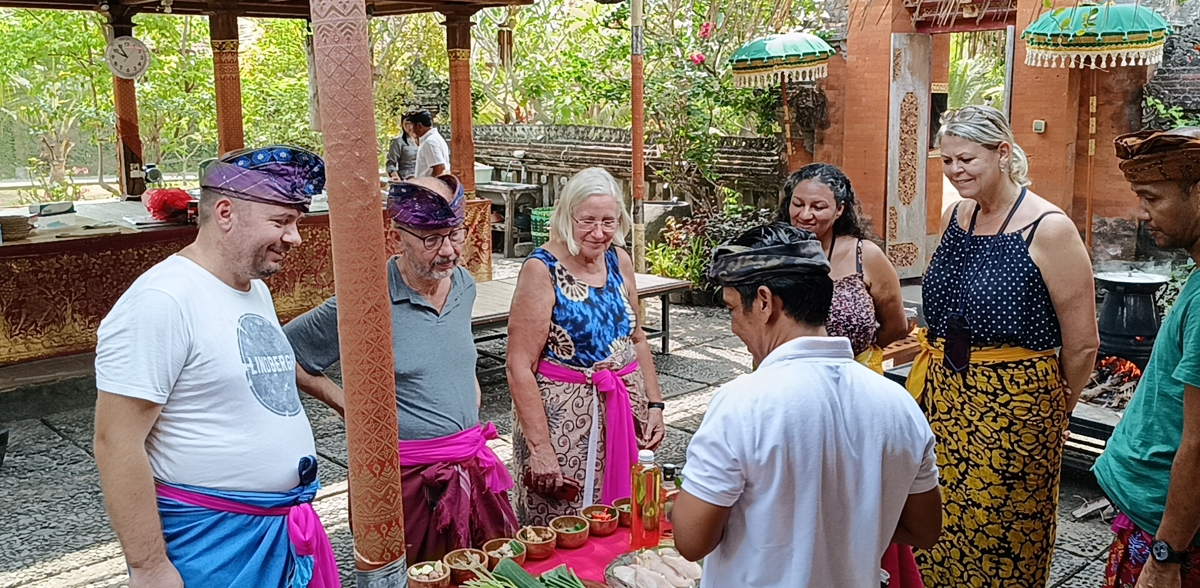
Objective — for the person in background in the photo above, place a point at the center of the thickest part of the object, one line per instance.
(433, 154)
(1010, 284)
(455, 488)
(206, 457)
(585, 393)
(805, 470)
(402, 153)
(1150, 468)
(867, 306)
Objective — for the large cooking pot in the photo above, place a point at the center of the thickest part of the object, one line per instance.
(1129, 318)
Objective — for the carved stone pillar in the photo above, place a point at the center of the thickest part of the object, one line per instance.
(130, 174)
(343, 63)
(223, 31)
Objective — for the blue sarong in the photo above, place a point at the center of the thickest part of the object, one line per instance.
(220, 549)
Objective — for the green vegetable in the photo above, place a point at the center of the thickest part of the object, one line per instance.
(561, 577)
(515, 574)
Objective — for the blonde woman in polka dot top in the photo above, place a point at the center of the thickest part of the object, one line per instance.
(1010, 303)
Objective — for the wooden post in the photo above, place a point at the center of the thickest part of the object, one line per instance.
(462, 142)
(223, 32)
(130, 174)
(789, 149)
(637, 107)
(343, 64)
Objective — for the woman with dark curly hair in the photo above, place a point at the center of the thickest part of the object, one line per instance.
(867, 307)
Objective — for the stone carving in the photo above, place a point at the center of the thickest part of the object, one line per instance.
(897, 63)
(903, 254)
(893, 223)
(910, 118)
(1176, 82)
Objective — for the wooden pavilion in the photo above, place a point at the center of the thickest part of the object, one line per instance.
(345, 90)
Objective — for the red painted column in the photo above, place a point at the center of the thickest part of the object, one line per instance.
(462, 142)
(130, 174)
(637, 107)
(343, 65)
(227, 78)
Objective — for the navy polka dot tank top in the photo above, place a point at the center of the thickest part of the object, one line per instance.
(1007, 301)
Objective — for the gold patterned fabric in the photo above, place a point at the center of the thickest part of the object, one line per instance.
(999, 444)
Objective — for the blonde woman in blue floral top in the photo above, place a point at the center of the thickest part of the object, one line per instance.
(585, 393)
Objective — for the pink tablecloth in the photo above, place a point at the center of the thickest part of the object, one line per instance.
(588, 561)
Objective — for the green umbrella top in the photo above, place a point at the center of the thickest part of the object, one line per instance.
(793, 57)
(1096, 36)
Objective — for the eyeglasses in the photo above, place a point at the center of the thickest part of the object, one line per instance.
(608, 225)
(432, 242)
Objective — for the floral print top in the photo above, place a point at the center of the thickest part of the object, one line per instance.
(589, 324)
(852, 314)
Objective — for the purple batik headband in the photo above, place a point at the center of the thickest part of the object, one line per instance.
(419, 207)
(280, 175)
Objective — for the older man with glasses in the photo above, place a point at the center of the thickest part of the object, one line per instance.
(455, 488)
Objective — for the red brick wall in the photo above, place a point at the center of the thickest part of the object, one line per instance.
(1118, 94)
(828, 144)
(868, 80)
(1052, 95)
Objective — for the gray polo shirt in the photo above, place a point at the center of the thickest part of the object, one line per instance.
(434, 354)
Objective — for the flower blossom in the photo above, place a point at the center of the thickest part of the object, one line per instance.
(697, 58)
(706, 30)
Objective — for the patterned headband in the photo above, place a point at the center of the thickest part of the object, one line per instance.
(280, 175)
(1155, 156)
(419, 207)
(737, 265)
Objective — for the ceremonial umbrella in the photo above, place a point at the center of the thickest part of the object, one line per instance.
(1095, 37)
(779, 59)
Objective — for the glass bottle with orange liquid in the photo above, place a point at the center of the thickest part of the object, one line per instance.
(645, 526)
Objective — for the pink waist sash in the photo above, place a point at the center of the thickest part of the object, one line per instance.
(457, 448)
(304, 529)
(620, 441)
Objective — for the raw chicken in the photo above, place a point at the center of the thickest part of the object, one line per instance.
(626, 574)
(688, 569)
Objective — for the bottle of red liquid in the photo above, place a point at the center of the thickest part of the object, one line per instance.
(669, 491)
(645, 526)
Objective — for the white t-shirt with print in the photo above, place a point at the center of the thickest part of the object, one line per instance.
(432, 151)
(816, 455)
(219, 363)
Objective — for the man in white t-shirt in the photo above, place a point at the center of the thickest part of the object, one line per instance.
(433, 154)
(805, 470)
(201, 441)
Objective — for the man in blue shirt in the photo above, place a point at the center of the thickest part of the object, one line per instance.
(1151, 467)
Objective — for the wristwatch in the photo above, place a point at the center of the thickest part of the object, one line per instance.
(1162, 553)
(658, 405)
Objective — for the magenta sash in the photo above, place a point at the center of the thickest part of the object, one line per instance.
(620, 440)
(304, 529)
(457, 448)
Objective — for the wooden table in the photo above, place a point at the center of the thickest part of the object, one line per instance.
(493, 300)
(507, 194)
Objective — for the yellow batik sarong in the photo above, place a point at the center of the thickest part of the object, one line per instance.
(872, 357)
(999, 433)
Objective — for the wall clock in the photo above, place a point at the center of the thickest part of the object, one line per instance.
(127, 57)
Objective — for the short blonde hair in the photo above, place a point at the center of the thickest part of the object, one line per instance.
(986, 126)
(583, 185)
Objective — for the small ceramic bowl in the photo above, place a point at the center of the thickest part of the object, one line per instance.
(601, 528)
(460, 571)
(624, 512)
(437, 580)
(568, 539)
(495, 544)
(537, 549)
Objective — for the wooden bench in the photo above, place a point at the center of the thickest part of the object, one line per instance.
(493, 300)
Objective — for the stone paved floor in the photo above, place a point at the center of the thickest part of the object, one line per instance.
(54, 532)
